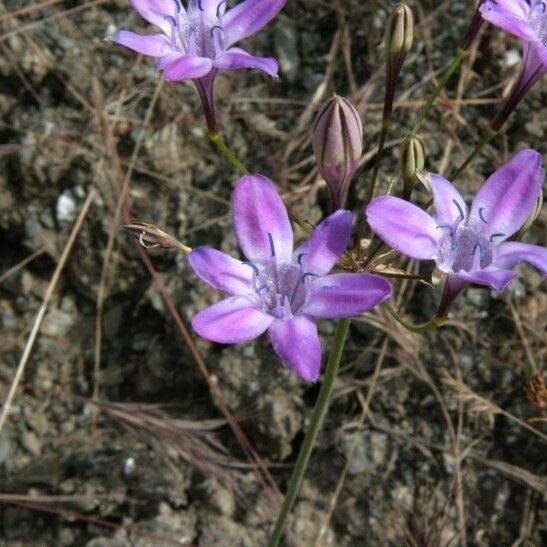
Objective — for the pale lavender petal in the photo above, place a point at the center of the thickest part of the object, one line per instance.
(153, 45)
(157, 12)
(231, 321)
(249, 17)
(296, 341)
(236, 58)
(345, 294)
(508, 16)
(495, 278)
(320, 252)
(511, 253)
(185, 67)
(221, 271)
(508, 196)
(262, 225)
(404, 226)
(448, 204)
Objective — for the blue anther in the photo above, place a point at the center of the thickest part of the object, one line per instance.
(171, 19)
(494, 236)
(481, 215)
(300, 257)
(261, 288)
(480, 250)
(177, 5)
(219, 6)
(460, 210)
(216, 27)
(255, 269)
(199, 5)
(446, 227)
(272, 248)
(542, 6)
(308, 274)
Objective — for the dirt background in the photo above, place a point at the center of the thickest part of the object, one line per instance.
(116, 437)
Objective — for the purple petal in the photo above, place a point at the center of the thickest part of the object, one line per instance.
(261, 222)
(156, 12)
(249, 17)
(153, 45)
(495, 278)
(221, 271)
(236, 58)
(296, 341)
(326, 244)
(448, 204)
(509, 16)
(346, 294)
(185, 67)
(508, 196)
(231, 321)
(511, 253)
(404, 226)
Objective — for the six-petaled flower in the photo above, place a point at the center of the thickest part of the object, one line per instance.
(526, 19)
(195, 43)
(469, 245)
(277, 288)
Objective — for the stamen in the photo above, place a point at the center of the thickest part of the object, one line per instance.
(177, 5)
(494, 236)
(460, 210)
(481, 251)
(261, 288)
(255, 269)
(300, 257)
(446, 227)
(219, 6)
(308, 274)
(272, 248)
(216, 27)
(171, 19)
(199, 5)
(481, 215)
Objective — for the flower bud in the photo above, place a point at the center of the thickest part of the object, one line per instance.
(400, 31)
(337, 142)
(151, 236)
(412, 161)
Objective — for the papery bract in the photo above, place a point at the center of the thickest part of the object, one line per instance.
(528, 21)
(195, 43)
(469, 245)
(279, 289)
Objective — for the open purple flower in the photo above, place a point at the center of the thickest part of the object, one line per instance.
(277, 288)
(468, 245)
(526, 19)
(195, 43)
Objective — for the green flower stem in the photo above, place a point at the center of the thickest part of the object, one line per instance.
(424, 327)
(485, 139)
(227, 152)
(319, 412)
(455, 62)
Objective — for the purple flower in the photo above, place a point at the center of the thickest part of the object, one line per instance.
(468, 245)
(277, 288)
(528, 21)
(195, 43)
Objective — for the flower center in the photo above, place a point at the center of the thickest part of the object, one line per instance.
(538, 20)
(464, 249)
(280, 287)
(197, 34)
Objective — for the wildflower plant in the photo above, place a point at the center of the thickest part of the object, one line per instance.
(281, 290)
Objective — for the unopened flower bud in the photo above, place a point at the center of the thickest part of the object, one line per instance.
(399, 36)
(413, 160)
(338, 144)
(400, 31)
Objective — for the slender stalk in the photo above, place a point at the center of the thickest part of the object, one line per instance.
(485, 139)
(319, 412)
(455, 62)
(424, 327)
(227, 152)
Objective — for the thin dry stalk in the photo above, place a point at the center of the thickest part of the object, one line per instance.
(41, 312)
(478, 404)
(22, 264)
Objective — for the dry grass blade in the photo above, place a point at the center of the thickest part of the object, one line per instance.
(41, 312)
(479, 404)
